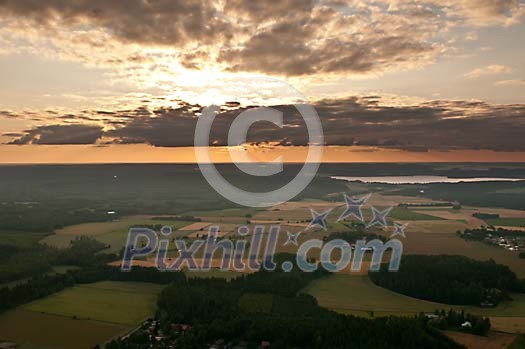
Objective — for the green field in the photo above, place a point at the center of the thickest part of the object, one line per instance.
(359, 295)
(45, 331)
(511, 222)
(124, 303)
(112, 233)
(405, 214)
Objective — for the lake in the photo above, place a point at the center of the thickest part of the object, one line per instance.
(422, 179)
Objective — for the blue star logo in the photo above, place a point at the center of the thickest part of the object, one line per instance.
(318, 219)
(379, 217)
(292, 238)
(353, 207)
(399, 229)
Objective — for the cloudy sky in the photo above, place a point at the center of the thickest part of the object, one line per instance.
(426, 79)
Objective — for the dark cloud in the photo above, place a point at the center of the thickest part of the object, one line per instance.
(350, 121)
(61, 134)
(166, 22)
(279, 50)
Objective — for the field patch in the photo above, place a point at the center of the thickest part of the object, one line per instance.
(113, 233)
(509, 324)
(195, 226)
(444, 241)
(510, 221)
(62, 237)
(123, 303)
(406, 214)
(493, 340)
(358, 295)
(37, 330)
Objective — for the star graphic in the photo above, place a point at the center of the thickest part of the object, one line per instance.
(318, 219)
(353, 207)
(292, 238)
(379, 217)
(399, 229)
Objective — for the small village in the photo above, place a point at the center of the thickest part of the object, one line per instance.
(153, 332)
(510, 240)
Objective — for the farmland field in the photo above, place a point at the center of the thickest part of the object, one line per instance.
(38, 330)
(446, 242)
(123, 303)
(112, 233)
(511, 221)
(62, 237)
(358, 295)
(405, 214)
(493, 340)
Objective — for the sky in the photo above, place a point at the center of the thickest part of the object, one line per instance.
(127, 80)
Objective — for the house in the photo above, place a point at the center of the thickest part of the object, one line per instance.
(431, 316)
(466, 324)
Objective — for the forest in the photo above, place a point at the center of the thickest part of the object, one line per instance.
(456, 280)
